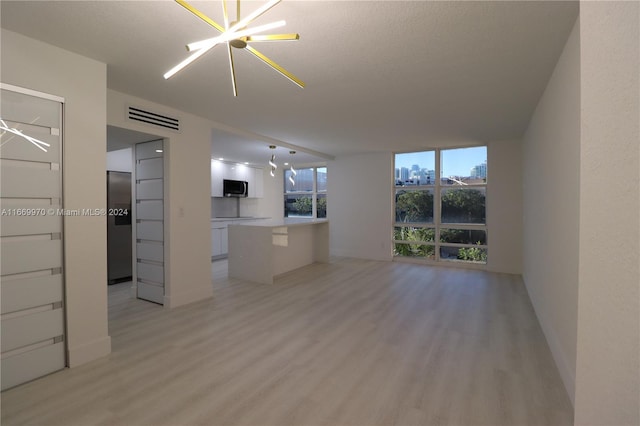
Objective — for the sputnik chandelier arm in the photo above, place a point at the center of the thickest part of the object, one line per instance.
(273, 37)
(235, 34)
(229, 35)
(202, 47)
(255, 14)
(275, 66)
(201, 15)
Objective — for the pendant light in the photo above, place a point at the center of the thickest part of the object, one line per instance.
(293, 173)
(272, 162)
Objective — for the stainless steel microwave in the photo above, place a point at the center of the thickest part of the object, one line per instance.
(235, 188)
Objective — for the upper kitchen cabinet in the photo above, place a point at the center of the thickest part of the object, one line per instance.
(238, 172)
(257, 189)
(217, 176)
(221, 171)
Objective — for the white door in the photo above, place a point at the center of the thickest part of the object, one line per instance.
(150, 221)
(31, 236)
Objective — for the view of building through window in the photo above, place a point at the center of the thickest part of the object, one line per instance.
(441, 219)
(307, 196)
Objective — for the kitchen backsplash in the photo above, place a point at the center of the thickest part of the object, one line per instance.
(228, 207)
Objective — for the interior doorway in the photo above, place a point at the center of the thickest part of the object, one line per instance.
(120, 175)
(119, 227)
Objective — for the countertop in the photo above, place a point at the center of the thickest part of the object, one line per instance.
(229, 219)
(276, 223)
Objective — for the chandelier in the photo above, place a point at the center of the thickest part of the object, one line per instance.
(236, 35)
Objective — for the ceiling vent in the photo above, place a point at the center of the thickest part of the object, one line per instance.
(155, 119)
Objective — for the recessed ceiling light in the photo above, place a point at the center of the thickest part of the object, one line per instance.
(221, 159)
(286, 164)
(246, 162)
(158, 150)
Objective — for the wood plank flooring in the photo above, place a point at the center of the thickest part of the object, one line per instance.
(353, 342)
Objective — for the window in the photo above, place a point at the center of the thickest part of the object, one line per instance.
(441, 219)
(307, 195)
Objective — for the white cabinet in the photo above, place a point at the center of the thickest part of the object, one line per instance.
(256, 188)
(221, 171)
(220, 236)
(217, 176)
(241, 172)
(224, 240)
(215, 242)
(219, 243)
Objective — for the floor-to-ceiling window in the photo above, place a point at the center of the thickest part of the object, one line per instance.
(440, 205)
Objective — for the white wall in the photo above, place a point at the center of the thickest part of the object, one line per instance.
(504, 206)
(188, 195)
(551, 161)
(272, 204)
(120, 160)
(608, 364)
(359, 205)
(82, 82)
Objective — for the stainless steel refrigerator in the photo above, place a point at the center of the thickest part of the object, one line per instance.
(119, 237)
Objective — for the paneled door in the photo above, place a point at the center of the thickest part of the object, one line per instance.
(150, 221)
(31, 235)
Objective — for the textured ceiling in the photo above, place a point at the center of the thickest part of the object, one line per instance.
(380, 75)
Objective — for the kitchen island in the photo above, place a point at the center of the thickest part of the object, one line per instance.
(220, 236)
(260, 251)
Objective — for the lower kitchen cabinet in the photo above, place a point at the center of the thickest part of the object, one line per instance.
(219, 243)
(220, 236)
(224, 241)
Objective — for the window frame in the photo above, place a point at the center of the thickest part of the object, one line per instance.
(314, 193)
(437, 224)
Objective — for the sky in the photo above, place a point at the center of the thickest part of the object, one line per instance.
(455, 162)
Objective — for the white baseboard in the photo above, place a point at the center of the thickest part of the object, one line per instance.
(86, 352)
(175, 300)
(567, 374)
(357, 255)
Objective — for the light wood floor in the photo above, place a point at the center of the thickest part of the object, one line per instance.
(352, 342)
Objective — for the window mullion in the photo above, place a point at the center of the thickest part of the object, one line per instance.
(462, 206)
(314, 194)
(437, 205)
